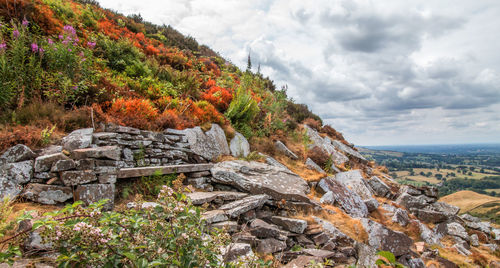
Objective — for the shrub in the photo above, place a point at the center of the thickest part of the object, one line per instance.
(299, 112)
(330, 131)
(119, 54)
(242, 109)
(319, 156)
(219, 97)
(313, 123)
(171, 234)
(139, 113)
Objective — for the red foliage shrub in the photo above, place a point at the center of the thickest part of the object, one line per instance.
(312, 123)
(204, 112)
(151, 50)
(210, 66)
(171, 119)
(219, 97)
(12, 135)
(33, 11)
(138, 113)
(319, 156)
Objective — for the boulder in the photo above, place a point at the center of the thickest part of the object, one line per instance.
(303, 262)
(47, 194)
(371, 204)
(367, 256)
(281, 147)
(270, 245)
(292, 225)
(430, 216)
(410, 201)
(378, 186)
(235, 251)
(428, 235)
(474, 240)
(333, 233)
(19, 172)
(262, 229)
(350, 201)
(17, 153)
(214, 216)
(9, 188)
(239, 146)
(325, 144)
(92, 193)
(104, 152)
(228, 226)
(348, 150)
(77, 177)
(324, 254)
(45, 162)
(476, 224)
(199, 198)
(236, 208)
(461, 249)
(63, 165)
(401, 217)
(78, 139)
(382, 238)
(260, 178)
(310, 164)
(355, 181)
(454, 229)
(210, 144)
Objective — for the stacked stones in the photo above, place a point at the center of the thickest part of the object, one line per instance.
(86, 165)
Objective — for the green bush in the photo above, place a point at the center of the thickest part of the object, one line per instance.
(119, 54)
(242, 110)
(169, 235)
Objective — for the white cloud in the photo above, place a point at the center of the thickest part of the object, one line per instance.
(380, 72)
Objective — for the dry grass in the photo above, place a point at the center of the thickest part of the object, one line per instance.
(299, 168)
(468, 200)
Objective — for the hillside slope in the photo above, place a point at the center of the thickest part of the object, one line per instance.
(155, 151)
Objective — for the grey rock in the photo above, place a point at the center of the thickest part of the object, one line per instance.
(378, 186)
(239, 146)
(17, 153)
(325, 144)
(235, 251)
(122, 129)
(104, 135)
(273, 162)
(474, 240)
(228, 226)
(430, 216)
(128, 155)
(382, 238)
(281, 147)
(260, 178)
(355, 181)
(236, 208)
(9, 188)
(428, 235)
(333, 233)
(214, 216)
(303, 262)
(476, 224)
(348, 150)
(367, 256)
(270, 245)
(455, 229)
(78, 139)
(198, 198)
(77, 177)
(45, 162)
(411, 190)
(92, 193)
(35, 243)
(292, 225)
(310, 164)
(492, 247)
(19, 172)
(104, 152)
(209, 145)
(63, 165)
(52, 149)
(47, 194)
(371, 204)
(262, 229)
(461, 249)
(401, 217)
(444, 208)
(324, 254)
(410, 201)
(430, 191)
(350, 201)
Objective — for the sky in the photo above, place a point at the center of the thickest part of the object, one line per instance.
(381, 72)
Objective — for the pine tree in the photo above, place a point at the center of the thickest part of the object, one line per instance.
(249, 63)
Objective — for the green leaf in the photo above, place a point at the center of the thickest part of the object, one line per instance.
(388, 255)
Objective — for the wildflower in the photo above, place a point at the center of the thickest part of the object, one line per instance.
(69, 29)
(50, 41)
(61, 36)
(69, 49)
(25, 22)
(3, 46)
(75, 87)
(91, 44)
(15, 33)
(34, 47)
(41, 50)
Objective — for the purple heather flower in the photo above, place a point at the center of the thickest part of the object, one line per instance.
(50, 41)
(65, 42)
(69, 29)
(34, 47)
(41, 50)
(3, 46)
(75, 88)
(77, 40)
(61, 36)
(69, 49)
(81, 54)
(25, 22)
(15, 33)
(91, 44)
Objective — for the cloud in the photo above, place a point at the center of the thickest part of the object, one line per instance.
(380, 72)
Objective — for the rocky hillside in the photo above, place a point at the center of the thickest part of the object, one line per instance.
(176, 158)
